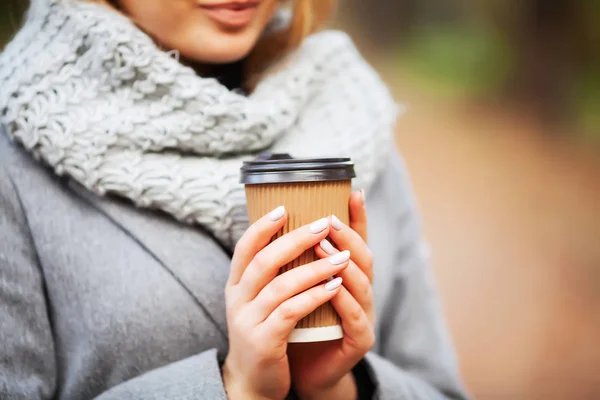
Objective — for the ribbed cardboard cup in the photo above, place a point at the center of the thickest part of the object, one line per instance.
(309, 189)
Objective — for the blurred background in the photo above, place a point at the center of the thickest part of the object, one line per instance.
(502, 138)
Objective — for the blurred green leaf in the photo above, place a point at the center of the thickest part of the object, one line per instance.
(587, 95)
(459, 60)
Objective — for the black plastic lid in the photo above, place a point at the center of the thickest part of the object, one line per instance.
(282, 168)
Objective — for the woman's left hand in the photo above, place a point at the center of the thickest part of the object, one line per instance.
(323, 370)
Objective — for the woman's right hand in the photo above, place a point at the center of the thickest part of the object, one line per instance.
(264, 307)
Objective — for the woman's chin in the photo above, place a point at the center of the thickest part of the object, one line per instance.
(227, 50)
(225, 57)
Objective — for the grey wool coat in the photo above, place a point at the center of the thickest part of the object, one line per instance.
(99, 299)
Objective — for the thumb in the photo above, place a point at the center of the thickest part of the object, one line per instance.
(358, 213)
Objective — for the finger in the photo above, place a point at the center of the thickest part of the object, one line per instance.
(359, 286)
(355, 280)
(267, 262)
(359, 335)
(257, 236)
(297, 280)
(324, 249)
(346, 238)
(284, 318)
(358, 214)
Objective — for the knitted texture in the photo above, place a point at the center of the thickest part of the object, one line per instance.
(93, 97)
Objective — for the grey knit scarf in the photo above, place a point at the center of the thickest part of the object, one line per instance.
(93, 97)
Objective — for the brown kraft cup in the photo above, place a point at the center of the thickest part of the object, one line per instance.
(309, 189)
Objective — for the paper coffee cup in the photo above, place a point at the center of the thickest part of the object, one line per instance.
(309, 189)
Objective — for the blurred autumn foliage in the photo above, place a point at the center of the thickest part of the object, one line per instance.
(540, 55)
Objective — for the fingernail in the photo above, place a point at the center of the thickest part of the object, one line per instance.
(363, 196)
(277, 213)
(336, 223)
(318, 226)
(340, 257)
(327, 247)
(333, 284)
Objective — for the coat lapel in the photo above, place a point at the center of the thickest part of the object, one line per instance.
(189, 254)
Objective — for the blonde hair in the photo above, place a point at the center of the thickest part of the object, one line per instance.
(307, 17)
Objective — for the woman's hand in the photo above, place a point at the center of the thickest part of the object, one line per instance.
(263, 308)
(323, 370)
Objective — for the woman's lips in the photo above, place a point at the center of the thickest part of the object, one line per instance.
(232, 14)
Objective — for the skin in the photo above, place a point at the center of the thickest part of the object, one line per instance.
(262, 306)
(183, 25)
(263, 309)
(323, 370)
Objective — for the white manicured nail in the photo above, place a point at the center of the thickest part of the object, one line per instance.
(277, 213)
(336, 223)
(333, 284)
(363, 196)
(327, 247)
(340, 257)
(318, 226)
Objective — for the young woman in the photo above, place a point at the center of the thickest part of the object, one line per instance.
(154, 104)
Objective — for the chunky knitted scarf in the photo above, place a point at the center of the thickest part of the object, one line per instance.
(93, 97)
